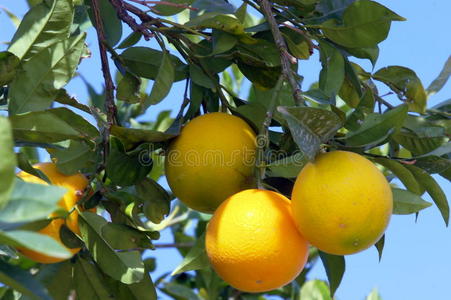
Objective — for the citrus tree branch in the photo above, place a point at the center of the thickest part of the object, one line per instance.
(286, 58)
(110, 107)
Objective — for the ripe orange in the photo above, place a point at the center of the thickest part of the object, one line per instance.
(75, 184)
(211, 159)
(341, 203)
(252, 241)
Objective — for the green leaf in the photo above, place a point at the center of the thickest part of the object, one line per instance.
(8, 65)
(433, 189)
(310, 127)
(7, 162)
(112, 25)
(124, 266)
(126, 169)
(44, 25)
(405, 202)
(179, 291)
(195, 259)
(131, 40)
(168, 10)
(38, 83)
(23, 282)
(374, 295)
(129, 89)
(34, 241)
(222, 42)
(155, 199)
(31, 202)
(163, 82)
(51, 125)
(57, 278)
(228, 23)
(78, 156)
(136, 291)
(441, 80)
(315, 290)
(365, 24)
(406, 84)
(199, 77)
(376, 128)
(135, 136)
(335, 268)
(123, 237)
(402, 173)
(90, 282)
(333, 69)
(380, 246)
(288, 167)
(263, 77)
(146, 62)
(298, 45)
(12, 17)
(371, 53)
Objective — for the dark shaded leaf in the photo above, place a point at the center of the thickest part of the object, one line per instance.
(403, 174)
(8, 64)
(111, 23)
(155, 199)
(335, 268)
(333, 69)
(90, 282)
(380, 246)
(163, 82)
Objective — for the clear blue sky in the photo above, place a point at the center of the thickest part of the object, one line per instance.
(416, 263)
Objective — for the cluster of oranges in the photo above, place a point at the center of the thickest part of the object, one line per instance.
(257, 240)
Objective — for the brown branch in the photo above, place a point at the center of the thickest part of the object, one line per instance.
(110, 107)
(286, 59)
(122, 12)
(165, 3)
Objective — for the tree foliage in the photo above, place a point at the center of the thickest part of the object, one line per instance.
(216, 49)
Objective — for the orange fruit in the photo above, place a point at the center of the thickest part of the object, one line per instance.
(341, 202)
(75, 185)
(211, 159)
(252, 241)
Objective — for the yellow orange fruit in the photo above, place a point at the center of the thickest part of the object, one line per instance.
(252, 241)
(75, 184)
(341, 202)
(211, 159)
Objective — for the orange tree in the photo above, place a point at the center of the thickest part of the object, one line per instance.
(213, 47)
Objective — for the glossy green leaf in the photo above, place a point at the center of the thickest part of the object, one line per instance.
(403, 174)
(22, 281)
(333, 8)
(155, 199)
(44, 25)
(51, 125)
(168, 10)
(406, 202)
(222, 42)
(376, 128)
(371, 53)
(12, 17)
(36, 86)
(335, 268)
(298, 45)
(196, 259)
(213, 20)
(433, 189)
(315, 290)
(146, 62)
(441, 80)
(199, 77)
(263, 78)
(7, 162)
(112, 25)
(131, 40)
(163, 82)
(333, 69)
(8, 64)
(310, 127)
(406, 84)
(365, 24)
(31, 202)
(365, 107)
(126, 267)
(90, 283)
(179, 291)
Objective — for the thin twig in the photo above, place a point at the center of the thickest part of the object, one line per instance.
(285, 58)
(165, 3)
(110, 107)
(174, 245)
(122, 12)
